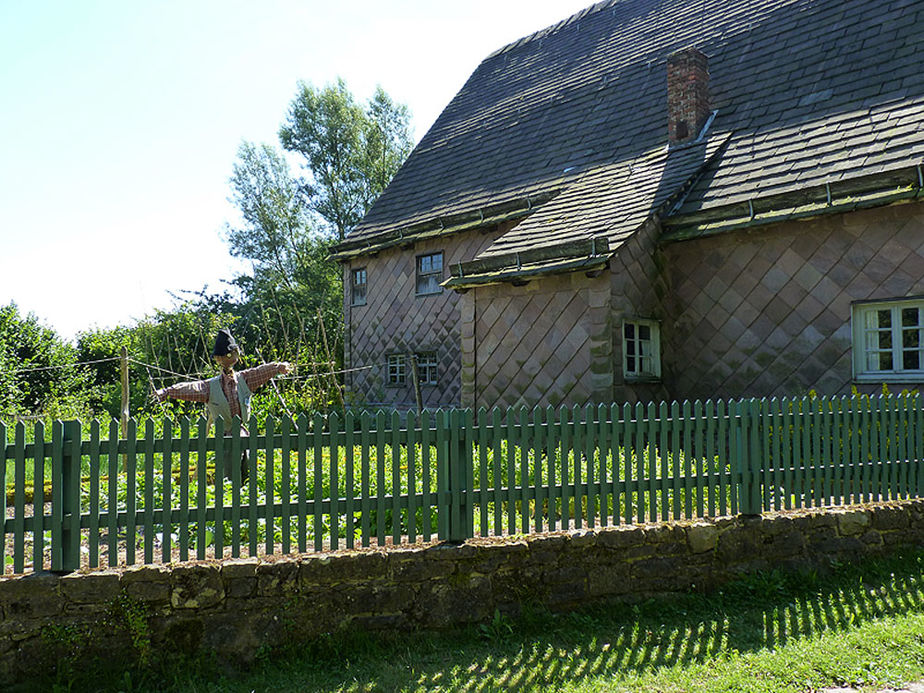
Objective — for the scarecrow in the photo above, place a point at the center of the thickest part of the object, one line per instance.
(226, 395)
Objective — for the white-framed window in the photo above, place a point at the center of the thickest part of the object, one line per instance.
(358, 287)
(641, 349)
(888, 340)
(429, 273)
(426, 367)
(397, 371)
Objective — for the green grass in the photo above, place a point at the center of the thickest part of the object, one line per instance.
(860, 625)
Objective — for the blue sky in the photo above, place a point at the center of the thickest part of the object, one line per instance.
(119, 123)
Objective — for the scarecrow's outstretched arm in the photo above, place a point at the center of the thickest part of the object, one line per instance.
(196, 391)
(260, 375)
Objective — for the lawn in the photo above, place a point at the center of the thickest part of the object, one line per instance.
(858, 625)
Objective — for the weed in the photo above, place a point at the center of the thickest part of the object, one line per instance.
(499, 629)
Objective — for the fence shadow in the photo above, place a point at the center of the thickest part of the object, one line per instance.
(766, 610)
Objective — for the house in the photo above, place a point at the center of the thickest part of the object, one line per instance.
(657, 199)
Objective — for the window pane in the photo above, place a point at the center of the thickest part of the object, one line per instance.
(436, 262)
(885, 340)
(630, 364)
(644, 332)
(885, 361)
(911, 360)
(911, 339)
(911, 317)
(884, 318)
(629, 330)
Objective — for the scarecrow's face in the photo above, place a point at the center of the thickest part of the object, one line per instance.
(228, 360)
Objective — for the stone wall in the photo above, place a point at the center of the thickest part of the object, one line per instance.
(767, 312)
(237, 607)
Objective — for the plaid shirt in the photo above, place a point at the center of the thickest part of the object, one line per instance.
(198, 390)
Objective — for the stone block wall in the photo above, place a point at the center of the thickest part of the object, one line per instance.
(237, 607)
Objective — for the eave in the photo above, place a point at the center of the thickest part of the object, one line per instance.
(588, 255)
(442, 226)
(875, 190)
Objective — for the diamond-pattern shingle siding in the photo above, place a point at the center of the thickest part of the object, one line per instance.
(769, 313)
(395, 320)
(548, 342)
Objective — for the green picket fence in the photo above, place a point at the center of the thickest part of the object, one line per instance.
(82, 495)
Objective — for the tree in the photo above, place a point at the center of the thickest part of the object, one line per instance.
(292, 277)
(39, 375)
(351, 152)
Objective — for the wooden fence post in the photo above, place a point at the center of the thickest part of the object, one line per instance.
(69, 482)
(454, 472)
(748, 457)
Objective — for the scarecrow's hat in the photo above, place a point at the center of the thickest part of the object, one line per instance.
(224, 343)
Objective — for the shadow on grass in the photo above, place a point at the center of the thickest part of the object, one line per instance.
(764, 610)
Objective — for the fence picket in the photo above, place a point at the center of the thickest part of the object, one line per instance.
(349, 444)
(201, 481)
(599, 479)
(395, 477)
(903, 436)
(425, 478)
(253, 514)
(221, 446)
(38, 496)
(722, 416)
(675, 433)
(286, 485)
(711, 467)
(365, 434)
(699, 455)
(19, 498)
(650, 452)
(167, 492)
(236, 473)
(183, 517)
(93, 504)
(876, 447)
(551, 452)
(318, 483)
(525, 445)
(411, 447)
(628, 482)
(333, 519)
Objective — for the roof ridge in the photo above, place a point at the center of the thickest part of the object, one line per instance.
(552, 28)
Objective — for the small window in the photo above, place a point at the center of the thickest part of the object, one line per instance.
(358, 287)
(429, 273)
(641, 353)
(888, 340)
(397, 373)
(426, 367)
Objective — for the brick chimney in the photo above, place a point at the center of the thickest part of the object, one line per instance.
(688, 106)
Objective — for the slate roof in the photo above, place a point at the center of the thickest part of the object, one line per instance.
(807, 92)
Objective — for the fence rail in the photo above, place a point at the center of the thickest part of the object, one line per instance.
(81, 495)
